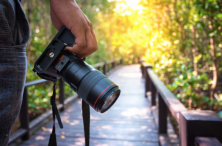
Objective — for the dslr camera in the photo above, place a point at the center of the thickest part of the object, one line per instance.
(90, 84)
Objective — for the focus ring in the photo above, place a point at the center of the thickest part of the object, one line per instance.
(88, 82)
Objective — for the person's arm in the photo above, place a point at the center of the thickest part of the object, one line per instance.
(68, 13)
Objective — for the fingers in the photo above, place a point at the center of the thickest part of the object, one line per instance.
(76, 21)
(86, 50)
(80, 42)
(85, 55)
(91, 28)
(91, 46)
(93, 35)
(86, 45)
(94, 40)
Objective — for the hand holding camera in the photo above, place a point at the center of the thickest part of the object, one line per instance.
(68, 13)
(91, 85)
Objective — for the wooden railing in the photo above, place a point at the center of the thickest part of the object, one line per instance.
(27, 126)
(195, 127)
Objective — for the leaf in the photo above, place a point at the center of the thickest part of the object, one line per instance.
(178, 95)
(220, 96)
(206, 99)
(219, 114)
(183, 67)
(197, 58)
(178, 83)
(212, 33)
(219, 15)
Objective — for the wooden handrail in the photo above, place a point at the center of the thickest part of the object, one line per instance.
(98, 64)
(36, 82)
(173, 104)
(207, 141)
(191, 123)
(26, 125)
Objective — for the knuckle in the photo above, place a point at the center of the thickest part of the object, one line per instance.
(90, 24)
(94, 48)
(82, 45)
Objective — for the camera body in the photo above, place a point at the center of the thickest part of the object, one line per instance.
(91, 85)
(45, 64)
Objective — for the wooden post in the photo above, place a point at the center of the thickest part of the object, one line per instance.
(121, 61)
(147, 79)
(109, 66)
(113, 64)
(142, 70)
(61, 94)
(104, 68)
(24, 115)
(153, 94)
(162, 109)
(194, 124)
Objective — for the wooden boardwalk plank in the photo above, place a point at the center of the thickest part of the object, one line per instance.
(128, 123)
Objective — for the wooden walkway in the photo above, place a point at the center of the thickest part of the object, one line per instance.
(128, 123)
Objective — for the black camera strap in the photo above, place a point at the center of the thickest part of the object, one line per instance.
(55, 112)
(86, 121)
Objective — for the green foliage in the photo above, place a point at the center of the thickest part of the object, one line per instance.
(39, 96)
(185, 48)
(187, 85)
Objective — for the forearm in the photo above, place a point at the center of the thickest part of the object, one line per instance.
(68, 13)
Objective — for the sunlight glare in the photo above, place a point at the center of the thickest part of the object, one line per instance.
(37, 30)
(126, 5)
(140, 12)
(133, 4)
(128, 13)
(39, 137)
(164, 43)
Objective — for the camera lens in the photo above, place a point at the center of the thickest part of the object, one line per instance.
(110, 100)
(90, 84)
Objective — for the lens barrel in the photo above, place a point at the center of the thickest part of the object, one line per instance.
(90, 84)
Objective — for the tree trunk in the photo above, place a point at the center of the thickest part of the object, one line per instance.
(215, 69)
(194, 51)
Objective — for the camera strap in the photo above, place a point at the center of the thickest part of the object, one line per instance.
(55, 112)
(86, 121)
